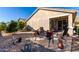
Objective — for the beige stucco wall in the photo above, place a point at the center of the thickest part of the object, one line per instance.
(41, 18)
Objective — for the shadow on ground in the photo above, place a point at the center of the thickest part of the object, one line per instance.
(34, 47)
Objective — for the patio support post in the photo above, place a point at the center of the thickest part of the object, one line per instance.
(70, 25)
(70, 31)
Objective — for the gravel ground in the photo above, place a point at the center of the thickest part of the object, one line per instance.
(6, 45)
(30, 45)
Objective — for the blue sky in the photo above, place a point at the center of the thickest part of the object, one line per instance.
(13, 13)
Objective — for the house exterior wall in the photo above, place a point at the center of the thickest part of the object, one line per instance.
(41, 18)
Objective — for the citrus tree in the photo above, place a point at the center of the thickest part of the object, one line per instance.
(12, 26)
(21, 24)
(2, 27)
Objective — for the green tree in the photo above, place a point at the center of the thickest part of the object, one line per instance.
(0, 30)
(12, 26)
(21, 24)
(3, 26)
